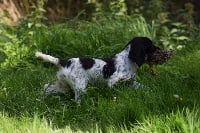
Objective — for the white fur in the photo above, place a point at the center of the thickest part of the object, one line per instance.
(75, 77)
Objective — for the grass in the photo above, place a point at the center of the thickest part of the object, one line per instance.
(152, 108)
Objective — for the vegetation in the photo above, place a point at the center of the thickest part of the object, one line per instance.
(168, 102)
(187, 11)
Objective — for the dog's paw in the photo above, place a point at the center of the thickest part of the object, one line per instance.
(45, 92)
(136, 85)
(46, 86)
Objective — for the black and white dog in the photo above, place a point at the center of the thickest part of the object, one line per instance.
(75, 73)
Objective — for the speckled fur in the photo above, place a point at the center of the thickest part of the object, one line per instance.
(76, 73)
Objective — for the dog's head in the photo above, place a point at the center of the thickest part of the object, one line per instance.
(142, 50)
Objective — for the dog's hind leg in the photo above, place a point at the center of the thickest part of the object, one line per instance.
(59, 87)
(79, 89)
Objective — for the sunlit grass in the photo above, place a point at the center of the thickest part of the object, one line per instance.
(185, 121)
(151, 108)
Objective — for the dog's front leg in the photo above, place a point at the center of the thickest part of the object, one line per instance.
(135, 84)
(113, 80)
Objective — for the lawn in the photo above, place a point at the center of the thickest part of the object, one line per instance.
(168, 102)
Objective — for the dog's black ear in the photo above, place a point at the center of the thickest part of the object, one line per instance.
(137, 53)
(140, 47)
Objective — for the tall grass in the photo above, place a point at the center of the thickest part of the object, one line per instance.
(185, 121)
(107, 36)
(152, 108)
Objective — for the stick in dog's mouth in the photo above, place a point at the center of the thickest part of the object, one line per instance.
(159, 57)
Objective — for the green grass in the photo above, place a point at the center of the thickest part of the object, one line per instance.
(151, 108)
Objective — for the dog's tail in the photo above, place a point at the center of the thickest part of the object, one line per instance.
(47, 58)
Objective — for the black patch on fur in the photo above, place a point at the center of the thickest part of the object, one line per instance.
(109, 68)
(86, 62)
(140, 49)
(65, 63)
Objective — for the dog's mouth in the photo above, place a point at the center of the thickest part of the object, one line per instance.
(160, 56)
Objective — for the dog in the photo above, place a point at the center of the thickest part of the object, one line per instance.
(75, 73)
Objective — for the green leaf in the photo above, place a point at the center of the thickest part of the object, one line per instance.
(174, 30)
(182, 38)
(38, 25)
(30, 25)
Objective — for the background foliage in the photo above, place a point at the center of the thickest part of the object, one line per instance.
(156, 17)
(60, 10)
